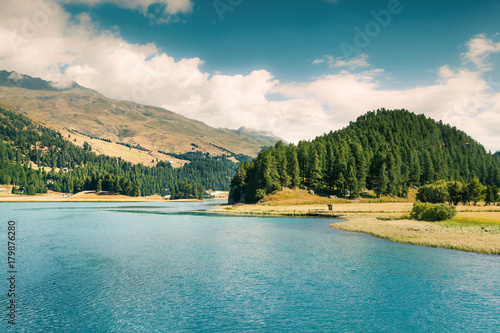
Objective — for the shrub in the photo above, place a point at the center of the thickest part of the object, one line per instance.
(432, 212)
(456, 191)
(31, 190)
(434, 193)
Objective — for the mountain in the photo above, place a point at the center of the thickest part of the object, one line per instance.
(14, 79)
(256, 134)
(384, 151)
(35, 159)
(85, 114)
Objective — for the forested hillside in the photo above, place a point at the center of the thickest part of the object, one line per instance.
(385, 151)
(35, 158)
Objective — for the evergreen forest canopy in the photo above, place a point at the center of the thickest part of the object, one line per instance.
(74, 169)
(384, 151)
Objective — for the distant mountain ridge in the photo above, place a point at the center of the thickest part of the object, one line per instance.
(18, 80)
(85, 111)
(263, 135)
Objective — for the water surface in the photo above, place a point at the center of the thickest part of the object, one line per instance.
(156, 267)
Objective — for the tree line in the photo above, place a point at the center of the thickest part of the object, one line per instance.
(384, 151)
(35, 158)
(185, 190)
(455, 192)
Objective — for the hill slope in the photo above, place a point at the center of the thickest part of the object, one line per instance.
(385, 151)
(35, 159)
(86, 111)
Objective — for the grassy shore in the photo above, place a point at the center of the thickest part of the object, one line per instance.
(475, 228)
(451, 234)
(84, 196)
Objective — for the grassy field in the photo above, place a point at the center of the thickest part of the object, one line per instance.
(475, 228)
(131, 155)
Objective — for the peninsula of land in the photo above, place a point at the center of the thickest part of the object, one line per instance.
(473, 229)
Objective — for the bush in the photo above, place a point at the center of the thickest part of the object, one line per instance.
(432, 212)
(434, 193)
(31, 190)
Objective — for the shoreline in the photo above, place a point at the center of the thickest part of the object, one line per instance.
(444, 235)
(475, 229)
(84, 196)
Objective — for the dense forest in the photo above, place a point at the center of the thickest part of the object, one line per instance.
(384, 151)
(187, 191)
(25, 147)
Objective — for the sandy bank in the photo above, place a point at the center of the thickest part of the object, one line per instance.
(85, 196)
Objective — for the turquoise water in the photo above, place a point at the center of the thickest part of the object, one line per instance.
(117, 267)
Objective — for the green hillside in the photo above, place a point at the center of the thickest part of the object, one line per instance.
(384, 151)
(35, 159)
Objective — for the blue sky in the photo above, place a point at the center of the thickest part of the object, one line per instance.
(296, 68)
(284, 36)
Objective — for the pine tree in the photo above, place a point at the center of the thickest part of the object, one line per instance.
(340, 183)
(279, 153)
(293, 166)
(352, 183)
(270, 180)
(314, 169)
(428, 172)
(329, 171)
(455, 191)
(382, 181)
(496, 195)
(360, 164)
(302, 157)
(238, 183)
(489, 196)
(475, 191)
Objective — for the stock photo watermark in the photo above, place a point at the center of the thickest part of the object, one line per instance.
(223, 6)
(31, 26)
(153, 80)
(372, 29)
(11, 272)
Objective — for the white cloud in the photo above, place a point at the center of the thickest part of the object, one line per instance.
(167, 7)
(360, 60)
(480, 48)
(64, 48)
(15, 76)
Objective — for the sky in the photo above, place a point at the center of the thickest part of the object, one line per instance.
(296, 68)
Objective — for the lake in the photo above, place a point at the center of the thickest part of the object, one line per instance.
(158, 267)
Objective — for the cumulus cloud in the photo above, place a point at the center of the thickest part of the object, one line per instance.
(361, 60)
(41, 39)
(480, 48)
